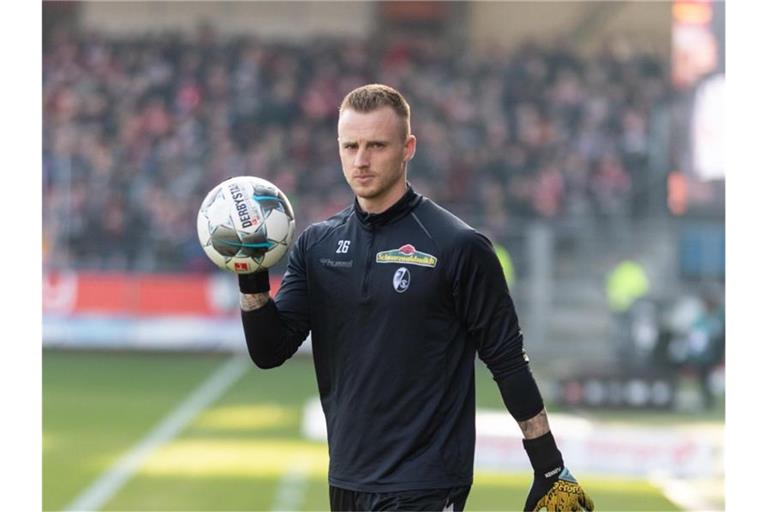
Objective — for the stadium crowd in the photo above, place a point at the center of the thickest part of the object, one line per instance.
(136, 131)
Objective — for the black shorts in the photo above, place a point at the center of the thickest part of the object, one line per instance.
(452, 499)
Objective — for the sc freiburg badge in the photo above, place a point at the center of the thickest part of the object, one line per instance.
(401, 280)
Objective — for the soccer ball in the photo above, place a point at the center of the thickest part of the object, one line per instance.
(245, 224)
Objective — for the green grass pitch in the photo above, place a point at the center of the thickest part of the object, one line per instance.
(244, 452)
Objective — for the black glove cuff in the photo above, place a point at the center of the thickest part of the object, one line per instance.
(257, 282)
(544, 456)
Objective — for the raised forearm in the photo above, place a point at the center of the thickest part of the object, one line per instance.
(265, 334)
(272, 336)
(536, 426)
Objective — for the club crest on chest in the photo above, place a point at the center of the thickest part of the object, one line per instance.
(401, 280)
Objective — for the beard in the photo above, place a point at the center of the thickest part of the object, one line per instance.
(379, 185)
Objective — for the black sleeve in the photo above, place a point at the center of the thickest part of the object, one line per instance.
(274, 332)
(486, 308)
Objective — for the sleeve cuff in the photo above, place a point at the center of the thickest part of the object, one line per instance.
(257, 282)
(543, 453)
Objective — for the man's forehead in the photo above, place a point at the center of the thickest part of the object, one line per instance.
(379, 123)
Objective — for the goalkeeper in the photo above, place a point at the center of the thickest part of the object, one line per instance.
(400, 295)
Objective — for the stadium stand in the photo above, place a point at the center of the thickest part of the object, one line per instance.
(138, 129)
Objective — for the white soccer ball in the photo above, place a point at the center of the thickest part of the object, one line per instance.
(245, 224)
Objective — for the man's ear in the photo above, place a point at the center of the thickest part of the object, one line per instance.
(410, 147)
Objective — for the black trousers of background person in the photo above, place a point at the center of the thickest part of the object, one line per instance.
(453, 500)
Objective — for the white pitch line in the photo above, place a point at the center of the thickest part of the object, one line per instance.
(102, 489)
(292, 488)
(684, 494)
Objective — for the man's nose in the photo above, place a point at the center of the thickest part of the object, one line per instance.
(361, 158)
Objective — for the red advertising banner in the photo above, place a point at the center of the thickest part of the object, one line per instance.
(70, 293)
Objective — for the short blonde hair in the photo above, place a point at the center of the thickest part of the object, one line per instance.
(370, 97)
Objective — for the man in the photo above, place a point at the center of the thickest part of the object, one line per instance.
(400, 295)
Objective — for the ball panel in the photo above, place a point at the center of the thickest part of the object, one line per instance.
(272, 257)
(225, 240)
(217, 211)
(203, 234)
(219, 260)
(244, 213)
(287, 208)
(256, 243)
(277, 225)
(242, 266)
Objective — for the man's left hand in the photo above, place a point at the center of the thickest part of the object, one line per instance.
(558, 492)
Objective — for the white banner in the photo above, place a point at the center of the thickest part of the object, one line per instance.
(588, 447)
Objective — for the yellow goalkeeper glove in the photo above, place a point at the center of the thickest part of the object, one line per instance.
(564, 494)
(553, 488)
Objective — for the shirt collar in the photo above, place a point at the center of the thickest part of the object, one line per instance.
(398, 210)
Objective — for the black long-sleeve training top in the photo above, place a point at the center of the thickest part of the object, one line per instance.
(398, 304)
